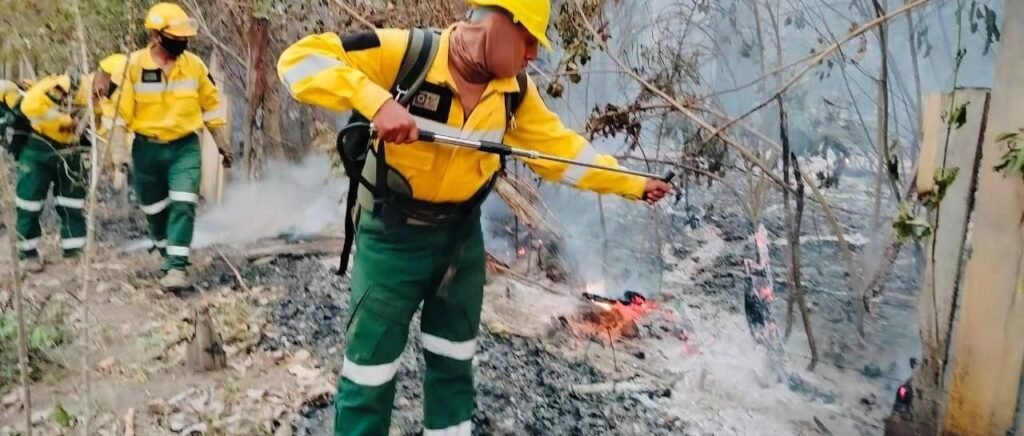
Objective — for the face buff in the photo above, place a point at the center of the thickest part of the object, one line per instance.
(486, 49)
(173, 47)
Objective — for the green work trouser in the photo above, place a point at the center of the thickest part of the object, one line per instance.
(39, 166)
(396, 269)
(166, 179)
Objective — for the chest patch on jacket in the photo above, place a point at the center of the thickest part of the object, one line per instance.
(151, 76)
(432, 102)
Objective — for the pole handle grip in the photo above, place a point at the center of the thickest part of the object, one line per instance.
(667, 178)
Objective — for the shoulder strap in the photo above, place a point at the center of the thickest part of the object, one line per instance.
(419, 55)
(420, 51)
(515, 99)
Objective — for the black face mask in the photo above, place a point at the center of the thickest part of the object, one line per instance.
(173, 47)
(111, 89)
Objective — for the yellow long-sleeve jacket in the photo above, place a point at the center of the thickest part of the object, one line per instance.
(167, 106)
(49, 116)
(356, 72)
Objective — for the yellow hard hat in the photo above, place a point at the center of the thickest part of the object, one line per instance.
(532, 14)
(114, 66)
(171, 19)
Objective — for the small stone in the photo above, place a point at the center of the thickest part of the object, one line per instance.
(640, 355)
(195, 429)
(106, 365)
(176, 422)
(157, 407)
(872, 371)
(300, 356)
(178, 398)
(255, 394)
(12, 398)
(216, 408)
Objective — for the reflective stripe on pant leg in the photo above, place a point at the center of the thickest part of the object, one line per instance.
(70, 197)
(33, 181)
(184, 172)
(150, 183)
(366, 388)
(449, 325)
(391, 272)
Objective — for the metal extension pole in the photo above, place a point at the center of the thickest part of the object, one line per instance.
(505, 150)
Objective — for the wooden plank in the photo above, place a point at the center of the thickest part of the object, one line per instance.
(954, 211)
(213, 172)
(941, 278)
(933, 135)
(989, 342)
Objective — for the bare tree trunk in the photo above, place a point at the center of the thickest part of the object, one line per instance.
(7, 197)
(915, 146)
(259, 39)
(90, 236)
(798, 289)
(882, 129)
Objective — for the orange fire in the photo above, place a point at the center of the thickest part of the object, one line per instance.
(611, 319)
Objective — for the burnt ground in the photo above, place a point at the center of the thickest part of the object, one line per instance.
(523, 383)
(521, 387)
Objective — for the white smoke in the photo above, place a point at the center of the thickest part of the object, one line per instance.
(289, 200)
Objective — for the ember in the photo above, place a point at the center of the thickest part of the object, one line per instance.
(614, 318)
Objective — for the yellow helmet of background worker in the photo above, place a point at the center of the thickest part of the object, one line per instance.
(532, 14)
(114, 66)
(171, 19)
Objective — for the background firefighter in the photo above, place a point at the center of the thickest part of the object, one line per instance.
(168, 96)
(53, 107)
(114, 145)
(407, 253)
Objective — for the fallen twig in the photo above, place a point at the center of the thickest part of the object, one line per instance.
(355, 14)
(129, 422)
(821, 426)
(314, 247)
(614, 387)
(238, 275)
(522, 277)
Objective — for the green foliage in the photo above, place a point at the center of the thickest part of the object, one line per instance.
(982, 15)
(1012, 162)
(45, 33)
(61, 416)
(909, 226)
(943, 179)
(43, 339)
(956, 117)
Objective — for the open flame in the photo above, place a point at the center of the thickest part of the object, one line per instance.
(611, 318)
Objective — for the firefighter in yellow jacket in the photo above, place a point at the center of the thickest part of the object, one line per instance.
(168, 97)
(115, 150)
(419, 237)
(53, 108)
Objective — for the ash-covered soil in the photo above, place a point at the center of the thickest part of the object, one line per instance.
(521, 387)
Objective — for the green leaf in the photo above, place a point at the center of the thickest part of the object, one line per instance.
(910, 227)
(62, 417)
(958, 116)
(1006, 136)
(943, 179)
